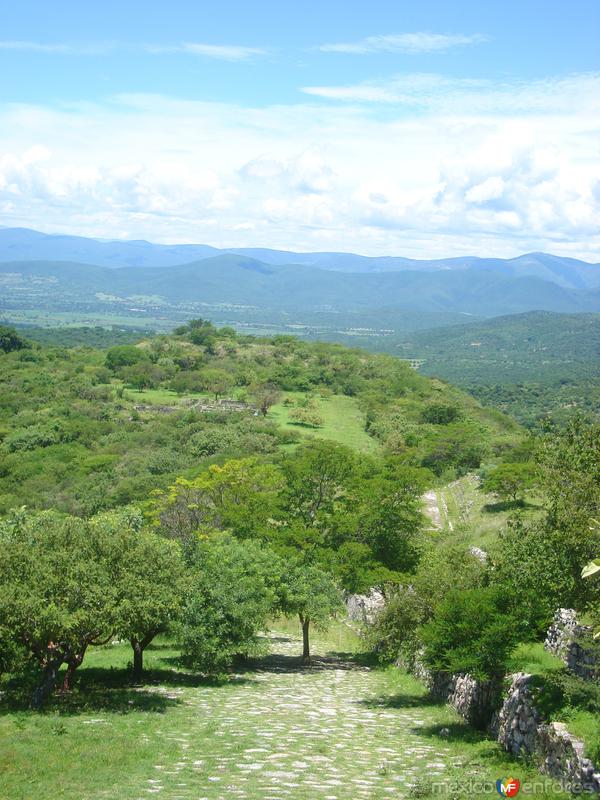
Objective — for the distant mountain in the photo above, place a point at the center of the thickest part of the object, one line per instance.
(22, 244)
(242, 281)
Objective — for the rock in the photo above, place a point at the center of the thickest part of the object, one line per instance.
(566, 639)
(364, 607)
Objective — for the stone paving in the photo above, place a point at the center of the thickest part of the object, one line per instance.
(283, 732)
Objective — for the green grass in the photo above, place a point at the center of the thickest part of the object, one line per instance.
(343, 421)
(585, 725)
(333, 729)
(532, 657)
(476, 516)
(159, 397)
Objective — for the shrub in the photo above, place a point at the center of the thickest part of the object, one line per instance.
(441, 414)
(471, 633)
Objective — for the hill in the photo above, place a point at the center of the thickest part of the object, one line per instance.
(22, 244)
(87, 429)
(230, 281)
(527, 364)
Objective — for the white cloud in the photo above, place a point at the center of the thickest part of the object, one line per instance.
(411, 43)
(458, 177)
(222, 52)
(429, 92)
(57, 48)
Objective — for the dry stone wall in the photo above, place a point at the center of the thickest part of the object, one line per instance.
(566, 639)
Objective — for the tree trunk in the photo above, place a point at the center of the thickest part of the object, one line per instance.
(43, 691)
(305, 640)
(138, 660)
(72, 664)
(139, 645)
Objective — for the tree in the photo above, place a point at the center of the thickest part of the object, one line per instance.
(511, 481)
(313, 595)
(232, 592)
(143, 375)
(240, 496)
(217, 381)
(265, 395)
(56, 595)
(150, 578)
(10, 340)
(124, 355)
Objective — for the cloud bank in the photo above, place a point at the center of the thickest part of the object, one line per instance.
(457, 167)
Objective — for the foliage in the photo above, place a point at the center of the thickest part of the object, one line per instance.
(124, 355)
(510, 480)
(471, 632)
(57, 593)
(440, 414)
(232, 592)
(10, 340)
(310, 592)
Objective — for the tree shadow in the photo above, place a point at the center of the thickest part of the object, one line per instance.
(402, 700)
(111, 690)
(507, 505)
(279, 663)
(452, 732)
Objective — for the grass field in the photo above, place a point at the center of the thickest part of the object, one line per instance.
(343, 421)
(474, 515)
(278, 730)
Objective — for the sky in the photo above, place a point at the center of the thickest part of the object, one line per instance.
(429, 129)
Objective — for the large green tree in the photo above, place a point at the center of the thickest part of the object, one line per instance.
(56, 595)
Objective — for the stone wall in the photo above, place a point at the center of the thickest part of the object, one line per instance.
(566, 639)
(474, 700)
(520, 729)
(516, 723)
(562, 758)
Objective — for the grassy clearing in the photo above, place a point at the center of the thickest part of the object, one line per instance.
(532, 657)
(476, 516)
(335, 729)
(343, 421)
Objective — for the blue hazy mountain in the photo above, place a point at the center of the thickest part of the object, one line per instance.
(22, 244)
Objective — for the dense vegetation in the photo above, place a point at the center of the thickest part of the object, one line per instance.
(529, 365)
(194, 486)
(85, 430)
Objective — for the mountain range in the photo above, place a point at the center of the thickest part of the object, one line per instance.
(23, 244)
(59, 272)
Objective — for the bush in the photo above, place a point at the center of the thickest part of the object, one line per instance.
(441, 414)
(124, 355)
(394, 634)
(232, 594)
(471, 633)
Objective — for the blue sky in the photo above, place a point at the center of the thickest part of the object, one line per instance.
(422, 129)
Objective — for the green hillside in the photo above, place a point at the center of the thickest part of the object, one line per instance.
(238, 281)
(527, 364)
(83, 433)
